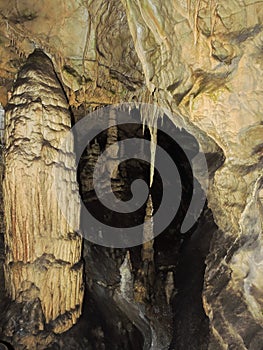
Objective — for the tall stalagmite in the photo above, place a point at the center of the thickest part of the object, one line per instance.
(43, 253)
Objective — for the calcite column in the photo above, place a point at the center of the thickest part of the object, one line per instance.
(43, 252)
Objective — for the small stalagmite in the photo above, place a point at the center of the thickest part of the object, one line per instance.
(43, 251)
(147, 252)
(145, 281)
(148, 234)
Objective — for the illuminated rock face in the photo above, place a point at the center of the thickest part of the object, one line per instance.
(206, 62)
(43, 253)
(201, 60)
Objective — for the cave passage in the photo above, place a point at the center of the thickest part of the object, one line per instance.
(173, 299)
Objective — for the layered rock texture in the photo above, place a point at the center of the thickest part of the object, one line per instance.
(200, 59)
(43, 253)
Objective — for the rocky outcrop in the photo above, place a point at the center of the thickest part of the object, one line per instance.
(43, 252)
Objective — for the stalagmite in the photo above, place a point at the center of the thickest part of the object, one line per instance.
(93, 153)
(148, 235)
(145, 280)
(43, 253)
(169, 286)
(111, 166)
(126, 285)
(112, 138)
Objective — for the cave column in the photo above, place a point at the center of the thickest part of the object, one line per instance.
(43, 252)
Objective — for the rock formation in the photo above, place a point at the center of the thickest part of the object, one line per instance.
(43, 253)
(200, 59)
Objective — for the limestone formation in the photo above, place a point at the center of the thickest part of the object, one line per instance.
(205, 60)
(43, 252)
(200, 59)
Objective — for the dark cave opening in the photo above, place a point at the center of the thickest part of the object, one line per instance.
(174, 299)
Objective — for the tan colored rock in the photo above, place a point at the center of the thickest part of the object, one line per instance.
(203, 61)
(89, 43)
(43, 253)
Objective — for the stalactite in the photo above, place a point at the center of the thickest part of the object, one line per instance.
(42, 251)
(150, 115)
(140, 34)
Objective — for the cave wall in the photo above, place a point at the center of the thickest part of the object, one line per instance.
(219, 48)
(202, 60)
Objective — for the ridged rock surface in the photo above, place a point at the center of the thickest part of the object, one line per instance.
(203, 61)
(43, 253)
(206, 58)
